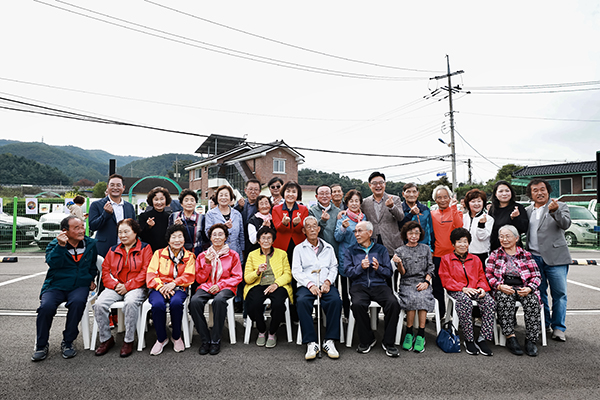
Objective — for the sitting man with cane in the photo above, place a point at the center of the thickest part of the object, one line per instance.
(314, 262)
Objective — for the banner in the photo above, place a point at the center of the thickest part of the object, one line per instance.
(31, 205)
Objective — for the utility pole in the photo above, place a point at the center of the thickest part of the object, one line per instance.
(450, 90)
(470, 175)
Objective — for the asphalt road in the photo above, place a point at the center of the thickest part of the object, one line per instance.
(568, 370)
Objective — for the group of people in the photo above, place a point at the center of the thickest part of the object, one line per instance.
(341, 253)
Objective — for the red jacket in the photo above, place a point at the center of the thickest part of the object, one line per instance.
(129, 269)
(444, 222)
(456, 275)
(289, 232)
(232, 272)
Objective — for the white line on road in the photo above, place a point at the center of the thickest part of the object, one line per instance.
(584, 285)
(21, 278)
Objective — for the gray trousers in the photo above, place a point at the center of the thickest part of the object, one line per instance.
(219, 305)
(133, 301)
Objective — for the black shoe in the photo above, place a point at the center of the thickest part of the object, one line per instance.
(68, 350)
(362, 348)
(470, 347)
(40, 355)
(512, 344)
(391, 350)
(204, 349)
(484, 348)
(530, 348)
(215, 348)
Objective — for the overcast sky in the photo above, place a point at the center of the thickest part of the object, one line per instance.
(175, 84)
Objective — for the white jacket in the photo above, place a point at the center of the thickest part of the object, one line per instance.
(480, 237)
(305, 261)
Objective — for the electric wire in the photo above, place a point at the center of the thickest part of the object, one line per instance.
(464, 140)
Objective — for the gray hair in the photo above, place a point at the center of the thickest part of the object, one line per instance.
(310, 217)
(368, 225)
(511, 229)
(440, 187)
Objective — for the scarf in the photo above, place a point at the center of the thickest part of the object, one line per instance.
(176, 260)
(264, 217)
(215, 262)
(355, 217)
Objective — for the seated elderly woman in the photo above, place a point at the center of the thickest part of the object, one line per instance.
(170, 272)
(415, 292)
(124, 277)
(267, 275)
(514, 275)
(462, 276)
(218, 271)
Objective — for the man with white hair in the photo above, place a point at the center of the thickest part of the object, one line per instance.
(368, 266)
(314, 254)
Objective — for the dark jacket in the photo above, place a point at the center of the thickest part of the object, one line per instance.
(66, 274)
(105, 224)
(367, 277)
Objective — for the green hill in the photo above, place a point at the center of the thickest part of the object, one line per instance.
(20, 170)
(163, 165)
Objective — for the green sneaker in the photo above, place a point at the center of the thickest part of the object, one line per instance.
(409, 341)
(419, 344)
(271, 341)
(262, 339)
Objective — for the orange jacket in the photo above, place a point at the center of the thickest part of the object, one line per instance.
(126, 268)
(160, 270)
(444, 222)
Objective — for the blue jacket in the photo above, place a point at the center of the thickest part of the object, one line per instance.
(346, 239)
(423, 218)
(367, 277)
(105, 224)
(66, 274)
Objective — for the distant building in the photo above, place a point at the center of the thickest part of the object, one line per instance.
(569, 181)
(233, 161)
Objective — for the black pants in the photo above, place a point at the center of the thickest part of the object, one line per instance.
(219, 305)
(361, 299)
(255, 308)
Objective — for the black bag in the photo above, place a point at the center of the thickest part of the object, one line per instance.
(447, 339)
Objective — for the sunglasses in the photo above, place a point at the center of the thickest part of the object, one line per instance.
(275, 186)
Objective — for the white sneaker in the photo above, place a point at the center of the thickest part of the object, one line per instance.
(329, 348)
(158, 347)
(311, 351)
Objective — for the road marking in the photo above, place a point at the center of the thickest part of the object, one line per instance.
(22, 278)
(584, 285)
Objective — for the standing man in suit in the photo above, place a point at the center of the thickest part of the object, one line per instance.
(548, 220)
(384, 211)
(106, 213)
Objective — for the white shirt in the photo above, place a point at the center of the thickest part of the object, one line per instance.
(534, 224)
(306, 260)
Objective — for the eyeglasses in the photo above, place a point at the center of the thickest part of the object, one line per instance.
(275, 186)
(266, 239)
(311, 227)
(253, 190)
(378, 183)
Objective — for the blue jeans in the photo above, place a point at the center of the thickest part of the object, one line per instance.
(330, 303)
(554, 276)
(159, 313)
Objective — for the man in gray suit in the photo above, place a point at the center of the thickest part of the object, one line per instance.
(548, 220)
(384, 211)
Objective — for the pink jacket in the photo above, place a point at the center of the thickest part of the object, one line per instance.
(232, 272)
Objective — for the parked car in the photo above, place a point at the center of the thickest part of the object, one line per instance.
(48, 228)
(582, 226)
(25, 230)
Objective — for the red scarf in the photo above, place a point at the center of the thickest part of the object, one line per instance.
(355, 217)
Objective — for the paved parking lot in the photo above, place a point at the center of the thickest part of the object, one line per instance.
(562, 370)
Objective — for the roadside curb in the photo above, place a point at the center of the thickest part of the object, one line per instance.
(584, 262)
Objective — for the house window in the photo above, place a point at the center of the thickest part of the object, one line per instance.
(590, 183)
(196, 174)
(561, 187)
(279, 166)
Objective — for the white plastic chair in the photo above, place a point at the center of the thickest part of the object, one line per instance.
(373, 307)
(501, 339)
(230, 320)
(143, 326)
(436, 313)
(85, 319)
(288, 322)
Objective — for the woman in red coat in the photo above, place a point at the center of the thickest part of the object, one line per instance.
(288, 219)
(463, 278)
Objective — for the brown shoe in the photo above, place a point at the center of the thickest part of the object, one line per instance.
(105, 346)
(127, 349)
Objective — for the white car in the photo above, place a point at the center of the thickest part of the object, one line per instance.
(48, 228)
(582, 226)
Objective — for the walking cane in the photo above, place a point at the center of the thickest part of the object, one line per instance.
(318, 272)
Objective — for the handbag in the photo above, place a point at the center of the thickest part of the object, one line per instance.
(447, 339)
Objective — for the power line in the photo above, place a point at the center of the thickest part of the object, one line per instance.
(464, 140)
(538, 118)
(541, 86)
(220, 49)
(47, 111)
(395, 165)
(538, 92)
(185, 105)
(284, 43)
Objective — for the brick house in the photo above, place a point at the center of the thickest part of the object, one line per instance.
(233, 161)
(570, 181)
